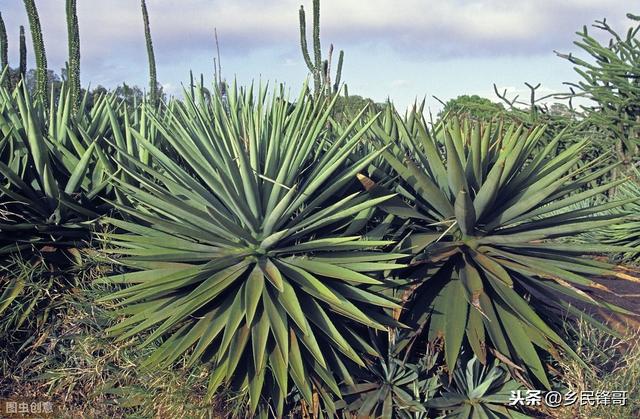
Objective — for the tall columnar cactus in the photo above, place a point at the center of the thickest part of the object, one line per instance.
(73, 35)
(153, 82)
(38, 49)
(4, 45)
(319, 68)
(23, 54)
(4, 55)
(336, 84)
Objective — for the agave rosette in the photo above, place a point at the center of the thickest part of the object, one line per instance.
(479, 391)
(394, 385)
(246, 251)
(490, 215)
(52, 173)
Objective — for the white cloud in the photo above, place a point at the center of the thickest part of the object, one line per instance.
(455, 27)
(399, 83)
(290, 62)
(112, 36)
(170, 89)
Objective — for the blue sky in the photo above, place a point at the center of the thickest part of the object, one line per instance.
(401, 49)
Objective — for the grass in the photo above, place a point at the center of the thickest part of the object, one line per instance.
(615, 365)
(68, 359)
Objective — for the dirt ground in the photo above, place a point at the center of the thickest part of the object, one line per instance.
(626, 294)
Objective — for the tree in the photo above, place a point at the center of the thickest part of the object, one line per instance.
(32, 80)
(94, 94)
(612, 80)
(347, 107)
(560, 110)
(130, 94)
(475, 106)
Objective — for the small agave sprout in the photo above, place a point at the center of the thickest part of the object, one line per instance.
(389, 390)
(245, 249)
(394, 386)
(490, 215)
(479, 391)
